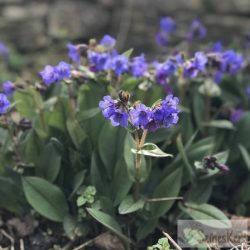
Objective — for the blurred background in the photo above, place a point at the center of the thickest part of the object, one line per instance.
(39, 29)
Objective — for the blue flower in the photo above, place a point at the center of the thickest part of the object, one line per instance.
(236, 115)
(165, 70)
(119, 64)
(171, 101)
(73, 53)
(152, 125)
(114, 111)
(162, 39)
(4, 103)
(8, 87)
(171, 111)
(167, 24)
(200, 60)
(119, 118)
(217, 47)
(4, 50)
(218, 76)
(138, 66)
(98, 61)
(170, 117)
(49, 75)
(107, 105)
(157, 114)
(231, 62)
(108, 41)
(197, 30)
(63, 71)
(196, 65)
(140, 115)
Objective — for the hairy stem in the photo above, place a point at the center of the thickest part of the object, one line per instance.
(139, 144)
(137, 167)
(143, 138)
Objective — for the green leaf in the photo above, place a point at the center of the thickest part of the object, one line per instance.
(77, 134)
(27, 102)
(162, 134)
(145, 227)
(222, 156)
(11, 196)
(150, 149)
(107, 221)
(77, 182)
(198, 109)
(46, 198)
(58, 114)
(128, 156)
(110, 144)
(245, 155)
(128, 53)
(89, 95)
(242, 130)
(129, 205)
(121, 183)
(206, 213)
(169, 187)
(96, 174)
(242, 194)
(30, 146)
(223, 124)
(87, 114)
(184, 157)
(49, 163)
(200, 192)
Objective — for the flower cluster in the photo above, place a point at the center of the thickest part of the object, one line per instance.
(51, 74)
(103, 57)
(226, 62)
(163, 114)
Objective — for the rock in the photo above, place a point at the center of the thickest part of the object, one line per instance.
(79, 20)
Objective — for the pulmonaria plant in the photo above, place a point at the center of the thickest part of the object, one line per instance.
(164, 113)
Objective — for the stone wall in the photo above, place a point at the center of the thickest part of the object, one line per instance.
(36, 25)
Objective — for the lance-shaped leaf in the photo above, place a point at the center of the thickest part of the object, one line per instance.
(46, 198)
(206, 214)
(108, 222)
(151, 149)
(129, 205)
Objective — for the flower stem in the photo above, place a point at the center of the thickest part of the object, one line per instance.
(139, 144)
(137, 167)
(143, 138)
